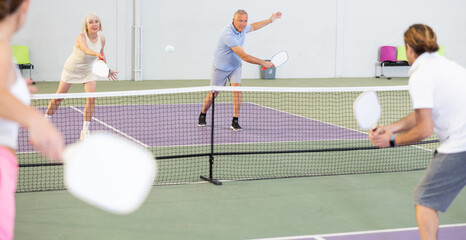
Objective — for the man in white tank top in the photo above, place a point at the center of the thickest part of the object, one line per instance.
(88, 47)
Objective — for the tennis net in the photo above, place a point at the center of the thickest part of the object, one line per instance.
(287, 132)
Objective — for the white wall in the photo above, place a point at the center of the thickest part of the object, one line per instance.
(324, 38)
(53, 25)
(194, 33)
(371, 24)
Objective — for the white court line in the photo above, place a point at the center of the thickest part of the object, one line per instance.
(322, 236)
(339, 126)
(114, 129)
(297, 115)
(293, 114)
(422, 148)
(220, 144)
(261, 142)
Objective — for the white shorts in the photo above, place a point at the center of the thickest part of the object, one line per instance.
(220, 77)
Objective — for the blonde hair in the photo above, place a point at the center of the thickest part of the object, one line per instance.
(421, 38)
(87, 18)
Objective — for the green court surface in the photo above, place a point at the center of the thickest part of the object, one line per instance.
(236, 210)
(242, 209)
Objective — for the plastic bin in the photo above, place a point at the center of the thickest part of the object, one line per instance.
(268, 73)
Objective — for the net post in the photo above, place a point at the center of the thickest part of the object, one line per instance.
(210, 178)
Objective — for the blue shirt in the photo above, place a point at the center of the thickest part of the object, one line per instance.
(224, 58)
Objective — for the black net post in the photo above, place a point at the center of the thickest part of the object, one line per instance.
(210, 178)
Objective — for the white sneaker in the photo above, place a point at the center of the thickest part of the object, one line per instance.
(84, 134)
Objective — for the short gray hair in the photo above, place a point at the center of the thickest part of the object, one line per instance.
(240, 12)
(87, 17)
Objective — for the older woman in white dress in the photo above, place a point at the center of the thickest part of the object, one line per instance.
(88, 47)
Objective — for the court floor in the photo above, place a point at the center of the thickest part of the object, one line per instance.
(237, 210)
(451, 232)
(312, 208)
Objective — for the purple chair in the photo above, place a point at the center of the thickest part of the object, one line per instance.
(387, 57)
(387, 54)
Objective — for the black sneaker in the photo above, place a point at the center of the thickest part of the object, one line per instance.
(235, 126)
(201, 122)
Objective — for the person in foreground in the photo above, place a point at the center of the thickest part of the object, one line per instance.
(436, 87)
(88, 47)
(227, 61)
(14, 112)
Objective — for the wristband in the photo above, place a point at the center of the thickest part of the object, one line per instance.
(392, 141)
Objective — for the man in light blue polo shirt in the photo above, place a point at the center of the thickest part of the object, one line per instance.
(228, 58)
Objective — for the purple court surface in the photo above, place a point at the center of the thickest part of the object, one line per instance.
(176, 125)
(446, 232)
